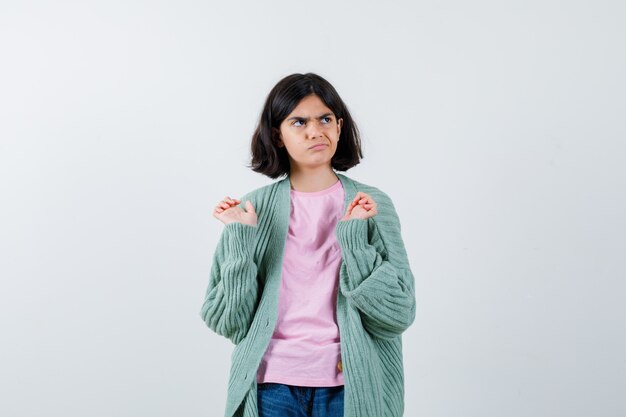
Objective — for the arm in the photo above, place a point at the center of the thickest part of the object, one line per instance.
(231, 296)
(377, 278)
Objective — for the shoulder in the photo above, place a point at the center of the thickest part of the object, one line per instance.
(379, 196)
(385, 225)
(261, 196)
(386, 222)
(383, 200)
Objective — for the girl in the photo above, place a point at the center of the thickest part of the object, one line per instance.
(310, 278)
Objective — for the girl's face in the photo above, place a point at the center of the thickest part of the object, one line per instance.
(310, 124)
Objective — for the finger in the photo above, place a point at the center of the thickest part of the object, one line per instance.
(359, 196)
(250, 207)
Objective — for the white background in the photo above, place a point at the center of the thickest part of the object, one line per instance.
(496, 127)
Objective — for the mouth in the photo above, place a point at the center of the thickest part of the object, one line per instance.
(318, 146)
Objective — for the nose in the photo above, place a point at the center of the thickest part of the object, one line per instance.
(314, 129)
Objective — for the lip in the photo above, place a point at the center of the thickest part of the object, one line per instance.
(319, 146)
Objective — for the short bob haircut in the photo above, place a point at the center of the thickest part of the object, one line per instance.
(268, 158)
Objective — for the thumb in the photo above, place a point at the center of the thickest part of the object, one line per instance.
(249, 207)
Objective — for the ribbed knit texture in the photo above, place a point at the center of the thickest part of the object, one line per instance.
(375, 304)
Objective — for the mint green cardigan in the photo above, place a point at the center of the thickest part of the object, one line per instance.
(375, 303)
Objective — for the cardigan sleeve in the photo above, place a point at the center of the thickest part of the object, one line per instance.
(376, 277)
(231, 296)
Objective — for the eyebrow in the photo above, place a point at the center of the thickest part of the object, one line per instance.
(306, 118)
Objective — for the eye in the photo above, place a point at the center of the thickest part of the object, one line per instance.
(329, 119)
(297, 121)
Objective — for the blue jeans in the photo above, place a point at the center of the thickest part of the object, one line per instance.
(281, 400)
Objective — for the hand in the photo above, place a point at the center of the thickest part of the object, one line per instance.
(228, 211)
(361, 207)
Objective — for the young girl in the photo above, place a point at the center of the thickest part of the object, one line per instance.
(310, 278)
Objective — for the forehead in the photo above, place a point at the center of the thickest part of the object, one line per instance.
(310, 106)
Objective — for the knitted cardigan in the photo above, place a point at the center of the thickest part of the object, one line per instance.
(375, 301)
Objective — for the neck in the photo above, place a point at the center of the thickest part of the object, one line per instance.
(310, 180)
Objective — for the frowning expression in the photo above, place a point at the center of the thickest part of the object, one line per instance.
(310, 133)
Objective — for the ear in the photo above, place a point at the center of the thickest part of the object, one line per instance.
(339, 125)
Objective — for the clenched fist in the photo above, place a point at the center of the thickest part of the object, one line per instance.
(362, 206)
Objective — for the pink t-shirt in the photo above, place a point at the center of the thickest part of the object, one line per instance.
(305, 347)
